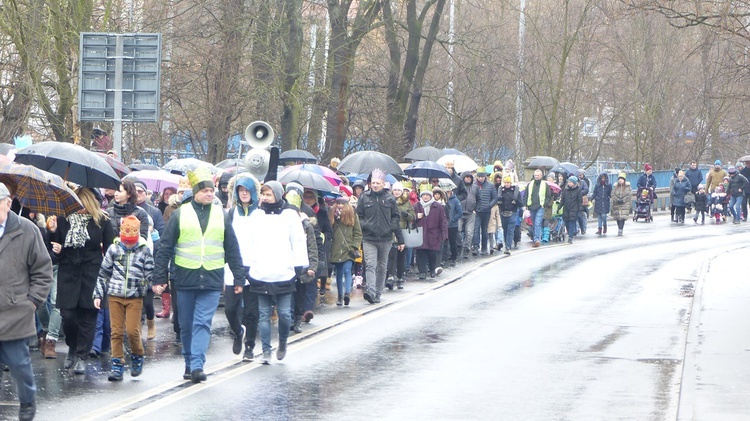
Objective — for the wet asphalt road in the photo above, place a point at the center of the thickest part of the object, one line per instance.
(596, 330)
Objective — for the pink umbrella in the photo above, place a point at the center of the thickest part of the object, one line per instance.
(156, 180)
(325, 172)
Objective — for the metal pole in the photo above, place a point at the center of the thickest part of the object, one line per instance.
(451, 41)
(520, 155)
(117, 140)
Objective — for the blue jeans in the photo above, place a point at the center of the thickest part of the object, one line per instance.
(283, 310)
(16, 355)
(197, 310)
(344, 277)
(583, 217)
(537, 216)
(602, 219)
(735, 204)
(571, 226)
(103, 332)
(509, 227)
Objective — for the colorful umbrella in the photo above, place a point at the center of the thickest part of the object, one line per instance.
(307, 179)
(320, 170)
(38, 190)
(71, 162)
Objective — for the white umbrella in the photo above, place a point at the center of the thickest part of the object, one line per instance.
(461, 163)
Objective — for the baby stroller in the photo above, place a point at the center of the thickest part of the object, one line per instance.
(557, 224)
(643, 201)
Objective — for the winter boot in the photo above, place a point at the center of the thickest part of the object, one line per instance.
(340, 300)
(151, 329)
(605, 229)
(166, 303)
(545, 235)
(136, 365)
(619, 232)
(389, 283)
(48, 350)
(400, 282)
(599, 231)
(117, 368)
(347, 298)
(297, 327)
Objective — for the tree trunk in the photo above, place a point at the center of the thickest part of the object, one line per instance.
(291, 92)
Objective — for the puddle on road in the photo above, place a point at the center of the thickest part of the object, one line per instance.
(608, 340)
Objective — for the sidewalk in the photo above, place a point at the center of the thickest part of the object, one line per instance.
(716, 374)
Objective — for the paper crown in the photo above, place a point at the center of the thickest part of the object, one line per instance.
(184, 184)
(425, 188)
(293, 198)
(130, 229)
(200, 178)
(378, 173)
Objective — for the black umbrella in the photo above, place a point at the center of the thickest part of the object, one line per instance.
(425, 153)
(365, 161)
(143, 167)
(71, 162)
(307, 179)
(298, 155)
(426, 169)
(565, 167)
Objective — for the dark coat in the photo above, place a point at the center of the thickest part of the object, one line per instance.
(701, 202)
(435, 226)
(679, 190)
(737, 184)
(696, 177)
(454, 211)
(379, 217)
(509, 199)
(571, 200)
(79, 267)
(26, 280)
(486, 196)
(602, 195)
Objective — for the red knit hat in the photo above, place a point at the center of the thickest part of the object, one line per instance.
(130, 230)
(647, 167)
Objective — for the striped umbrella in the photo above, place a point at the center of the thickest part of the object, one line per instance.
(39, 190)
(320, 170)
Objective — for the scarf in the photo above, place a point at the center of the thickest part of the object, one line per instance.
(77, 234)
(272, 208)
(427, 206)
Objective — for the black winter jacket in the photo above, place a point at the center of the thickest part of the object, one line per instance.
(571, 201)
(379, 217)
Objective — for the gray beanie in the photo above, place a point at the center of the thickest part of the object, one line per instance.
(277, 189)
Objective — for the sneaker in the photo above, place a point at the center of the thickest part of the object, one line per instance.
(248, 356)
(187, 375)
(507, 251)
(307, 316)
(80, 367)
(400, 284)
(389, 283)
(376, 300)
(238, 341)
(369, 297)
(438, 271)
(281, 351)
(347, 298)
(266, 358)
(570, 241)
(136, 365)
(340, 301)
(197, 376)
(27, 411)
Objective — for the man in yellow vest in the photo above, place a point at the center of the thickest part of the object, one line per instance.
(198, 241)
(538, 197)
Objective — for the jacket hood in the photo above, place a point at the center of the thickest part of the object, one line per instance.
(249, 182)
(606, 177)
(467, 173)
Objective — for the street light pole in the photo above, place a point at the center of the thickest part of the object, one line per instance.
(519, 84)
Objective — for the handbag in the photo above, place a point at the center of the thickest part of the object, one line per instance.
(689, 198)
(413, 237)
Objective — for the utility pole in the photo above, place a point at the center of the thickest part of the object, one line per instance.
(519, 84)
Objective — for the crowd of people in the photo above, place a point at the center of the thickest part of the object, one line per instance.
(95, 281)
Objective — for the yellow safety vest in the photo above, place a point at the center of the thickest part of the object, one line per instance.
(542, 192)
(194, 248)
